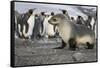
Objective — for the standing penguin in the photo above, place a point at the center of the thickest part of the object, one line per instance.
(88, 22)
(31, 22)
(71, 33)
(36, 29)
(73, 20)
(17, 34)
(48, 28)
(41, 20)
(44, 33)
(65, 13)
(25, 23)
(79, 20)
(22, 23)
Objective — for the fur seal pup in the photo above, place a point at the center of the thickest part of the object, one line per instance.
(71, 33)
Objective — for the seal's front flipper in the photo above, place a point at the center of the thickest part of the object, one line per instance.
(89, 46)
(72, 44)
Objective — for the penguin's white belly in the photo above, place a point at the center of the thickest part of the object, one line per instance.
(31, 22)
(50, 30)
(15, 20)
(84, 39)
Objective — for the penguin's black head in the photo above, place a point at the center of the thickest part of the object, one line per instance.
(64, 11)
(79, 17)
(52, 13)
(42, 13)
(72, 18)
(36, 15)
(30, 11)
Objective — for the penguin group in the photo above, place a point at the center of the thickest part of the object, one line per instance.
(36, 26)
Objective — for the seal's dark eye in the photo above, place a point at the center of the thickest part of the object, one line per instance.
(54, 19)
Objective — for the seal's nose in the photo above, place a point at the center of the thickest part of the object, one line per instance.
(48, 20)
